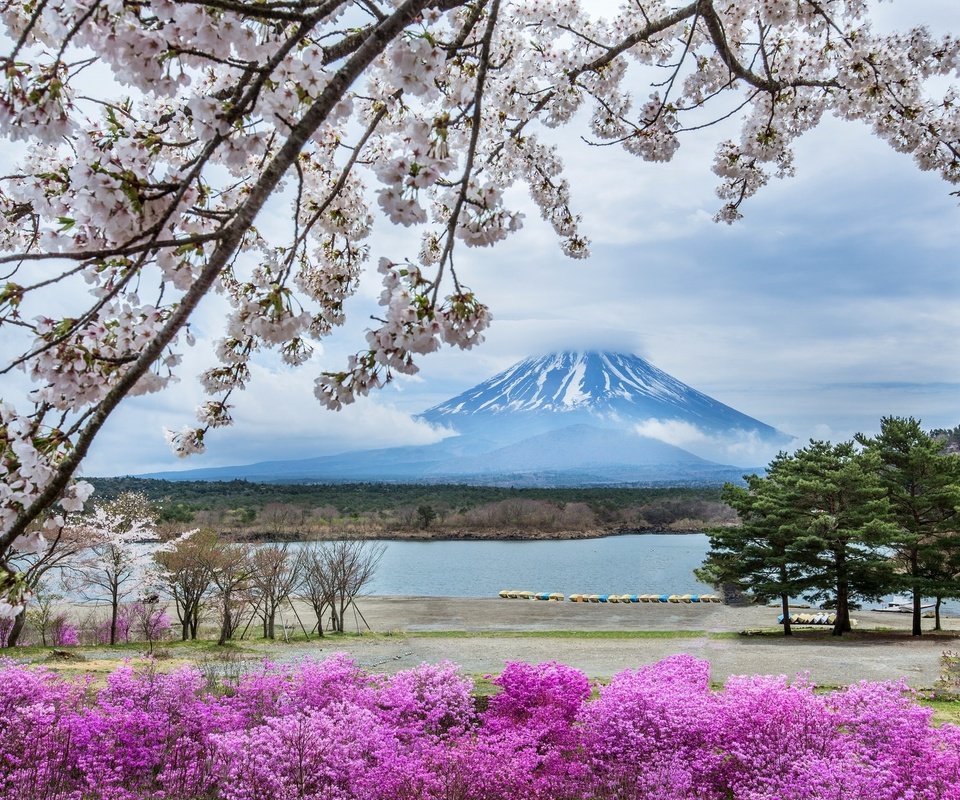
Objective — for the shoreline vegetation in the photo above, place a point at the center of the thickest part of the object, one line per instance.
(247, 511)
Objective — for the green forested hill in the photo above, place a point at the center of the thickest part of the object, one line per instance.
(243, 504)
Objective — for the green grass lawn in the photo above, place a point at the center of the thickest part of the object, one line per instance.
(943, 710)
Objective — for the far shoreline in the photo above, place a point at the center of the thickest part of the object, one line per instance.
(514, 535)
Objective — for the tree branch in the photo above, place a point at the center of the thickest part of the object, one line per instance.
(377, 40)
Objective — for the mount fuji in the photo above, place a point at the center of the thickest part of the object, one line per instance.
(610, 390)
(564, 419)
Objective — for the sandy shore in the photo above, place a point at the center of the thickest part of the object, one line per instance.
(492, 632)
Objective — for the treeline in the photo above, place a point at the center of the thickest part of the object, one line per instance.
(856, 520)
(260, 510)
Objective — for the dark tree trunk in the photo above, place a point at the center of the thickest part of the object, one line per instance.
(195, 621)
(16, 629)
(184, 628)
(842, 624)
(319, 611)
(917, 630)
(226, 630)
(785, 606)
(936, 614)
(915, 574)
(114, 613)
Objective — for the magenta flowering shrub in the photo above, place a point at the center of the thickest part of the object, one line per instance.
(531, 722)
(101, 632)
(427, 701)
(329, 731)
(63, 633)
(147, 621)
(654, 732)
(135, 621)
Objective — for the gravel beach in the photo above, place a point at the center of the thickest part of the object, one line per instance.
(491, 632)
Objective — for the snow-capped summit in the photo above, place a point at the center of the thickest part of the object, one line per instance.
(592, 387)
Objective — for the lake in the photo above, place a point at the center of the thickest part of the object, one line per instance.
(630, 564)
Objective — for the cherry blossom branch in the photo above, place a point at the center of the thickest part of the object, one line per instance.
(377, 40)
(447, 256)
(715, 29)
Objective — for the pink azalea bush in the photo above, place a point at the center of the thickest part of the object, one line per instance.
(63, 633)
(135, 622)
(101, 631)
(330, 731)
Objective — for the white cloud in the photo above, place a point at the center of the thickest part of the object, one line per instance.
(741, 448)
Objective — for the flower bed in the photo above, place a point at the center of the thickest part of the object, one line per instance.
(329, 730)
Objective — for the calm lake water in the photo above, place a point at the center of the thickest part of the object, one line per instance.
(630, 564)
(634, 564)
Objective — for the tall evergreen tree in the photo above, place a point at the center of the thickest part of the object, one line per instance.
(841, 520)
(760, 554)
(922, 484)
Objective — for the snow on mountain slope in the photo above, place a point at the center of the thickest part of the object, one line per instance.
(600, 383)
(613, 390)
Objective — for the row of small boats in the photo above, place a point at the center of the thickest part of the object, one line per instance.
(516, 594)
(816, 618)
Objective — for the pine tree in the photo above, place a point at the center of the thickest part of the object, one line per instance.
(922, 484)
(841, 522)
(759, 555)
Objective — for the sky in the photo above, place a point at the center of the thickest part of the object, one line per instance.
(833, 303)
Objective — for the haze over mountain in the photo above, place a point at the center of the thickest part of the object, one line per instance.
(562, 419)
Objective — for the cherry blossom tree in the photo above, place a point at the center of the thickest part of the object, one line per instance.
(119, 561)
(157, 131)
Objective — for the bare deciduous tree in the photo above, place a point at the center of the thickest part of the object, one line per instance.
(62, 550)
(186, 577)
(230, 573)
(335, 573)
(275, 572)
(41, 615)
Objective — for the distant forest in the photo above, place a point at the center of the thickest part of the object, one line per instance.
(268, 511)
(950, 438)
